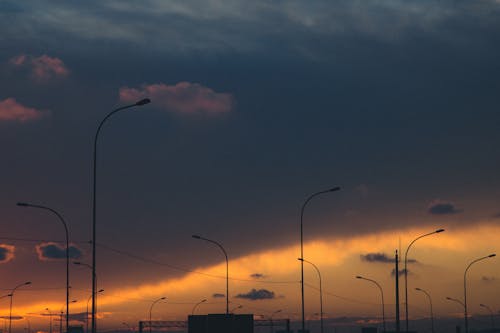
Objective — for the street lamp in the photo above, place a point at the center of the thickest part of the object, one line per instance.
(87, 312)
(59, 216)
(227, 266)
(465, 288)
(430, 302)
(381, 294)
(406, 270)
(94, 201)
(271, 318)
(90, 297)
(456, 301)
(151, 309)
(128, 326)
(337, 188)
(196, 305)
(320, 291)
(11, 297)
(235, 308)
(491, 313)
(61, 317)
(50, 319)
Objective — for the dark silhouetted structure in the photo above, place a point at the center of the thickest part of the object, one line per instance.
(220, 323)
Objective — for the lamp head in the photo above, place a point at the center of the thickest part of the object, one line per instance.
(418, 289)
(358, 277)
(143, 102)
(100, 290)
(196, 236)
(492, 255)
(23, 204)
(163, 297)
(300, 259)
(26, 283)
(203, 300)
(333, 189)
(77, 263)
(438, 231)
(482, 305)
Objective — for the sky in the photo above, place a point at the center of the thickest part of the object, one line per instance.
(254, 107)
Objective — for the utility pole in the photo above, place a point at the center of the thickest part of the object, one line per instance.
(398, 327)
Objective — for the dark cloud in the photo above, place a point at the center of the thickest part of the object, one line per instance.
(496, 216)
(218, 295)
(488, 279)
(6, 253)
(257, 276)
(53, 251)
(381, 258)
(400, 273)
(255, 295)
(442, 208)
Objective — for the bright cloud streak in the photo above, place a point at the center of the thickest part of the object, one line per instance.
(183, 97)
(11, 110)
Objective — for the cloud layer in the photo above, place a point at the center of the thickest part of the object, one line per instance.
(11, 110)
(53, 251)
(183, 97)
(42, 68)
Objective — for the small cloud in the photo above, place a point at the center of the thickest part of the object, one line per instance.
(438, 207)
(400, 273)
(53, 251)
(184, 97)
(255, 295)
(496, 216)
(11, 110)
(381, 258)
(488, 279)
(218, 295)
(6, 253)
(257, 276)
(42, 68)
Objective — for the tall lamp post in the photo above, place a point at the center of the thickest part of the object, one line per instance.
(227, 266)
(151, 309)
(320, 292)
(381, 295)
(11, 297)
(50, 319)
(465, 289)
(406, 269)
(59, 216)
(61, 318)
(491, 314)
(337, 188)
(94, 201)
(87, 312)
(90, 297)
(271, 318)
(196, 305)
(430, 302)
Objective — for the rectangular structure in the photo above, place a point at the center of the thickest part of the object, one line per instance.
(220, 323)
